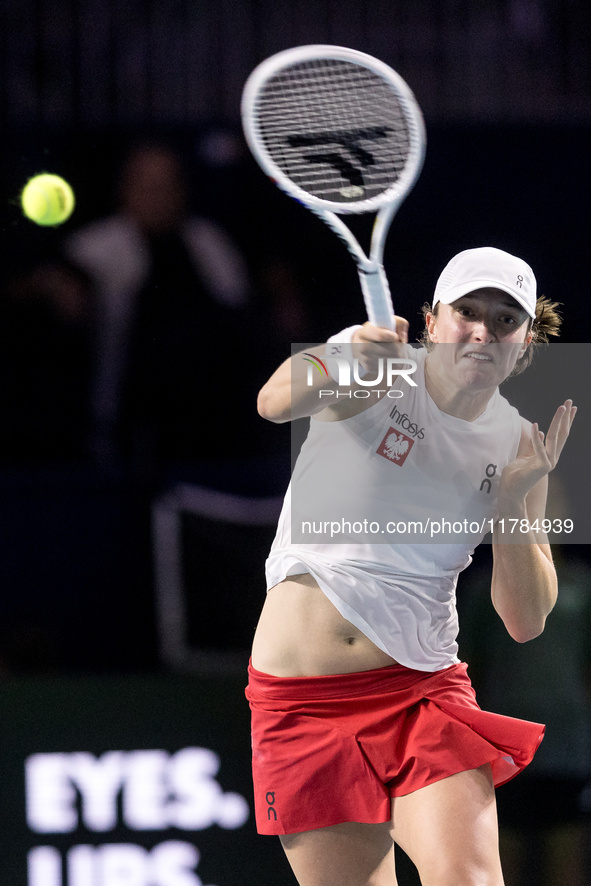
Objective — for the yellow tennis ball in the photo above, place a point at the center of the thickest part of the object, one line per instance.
(47, 199)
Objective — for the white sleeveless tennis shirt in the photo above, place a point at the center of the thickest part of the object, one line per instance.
(384, 510)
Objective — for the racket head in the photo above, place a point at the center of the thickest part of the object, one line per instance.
(334, 128)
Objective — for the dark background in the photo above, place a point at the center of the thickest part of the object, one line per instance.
(505, 87)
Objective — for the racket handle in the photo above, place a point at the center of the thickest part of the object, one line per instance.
(376, 294)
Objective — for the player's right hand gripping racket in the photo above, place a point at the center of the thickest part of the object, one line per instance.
(342, 133)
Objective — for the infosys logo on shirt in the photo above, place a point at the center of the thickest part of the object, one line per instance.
(404, 421)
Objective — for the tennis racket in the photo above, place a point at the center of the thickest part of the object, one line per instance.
(342, 133)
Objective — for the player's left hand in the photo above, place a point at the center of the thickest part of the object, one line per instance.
(522, 474)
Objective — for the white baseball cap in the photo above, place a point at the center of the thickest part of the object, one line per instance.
(484, 268)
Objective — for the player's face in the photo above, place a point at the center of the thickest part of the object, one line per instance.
(489, 330)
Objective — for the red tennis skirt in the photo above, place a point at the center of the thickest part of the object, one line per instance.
(337, 748)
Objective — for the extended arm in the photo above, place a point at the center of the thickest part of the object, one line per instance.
(288, 395)
(524, 585)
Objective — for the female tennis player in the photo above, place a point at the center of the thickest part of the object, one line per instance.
(365, 728)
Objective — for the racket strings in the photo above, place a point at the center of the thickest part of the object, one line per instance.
(338, 130)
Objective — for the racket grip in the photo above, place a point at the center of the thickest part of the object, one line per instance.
(376, 294)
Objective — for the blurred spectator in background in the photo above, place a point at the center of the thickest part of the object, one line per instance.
(136, 342)
(174, 313)
(46, 329)
(544, 821)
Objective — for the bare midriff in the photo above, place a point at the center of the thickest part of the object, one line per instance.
(301, 634)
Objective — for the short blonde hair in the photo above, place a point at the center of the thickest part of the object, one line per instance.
(546, 323)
